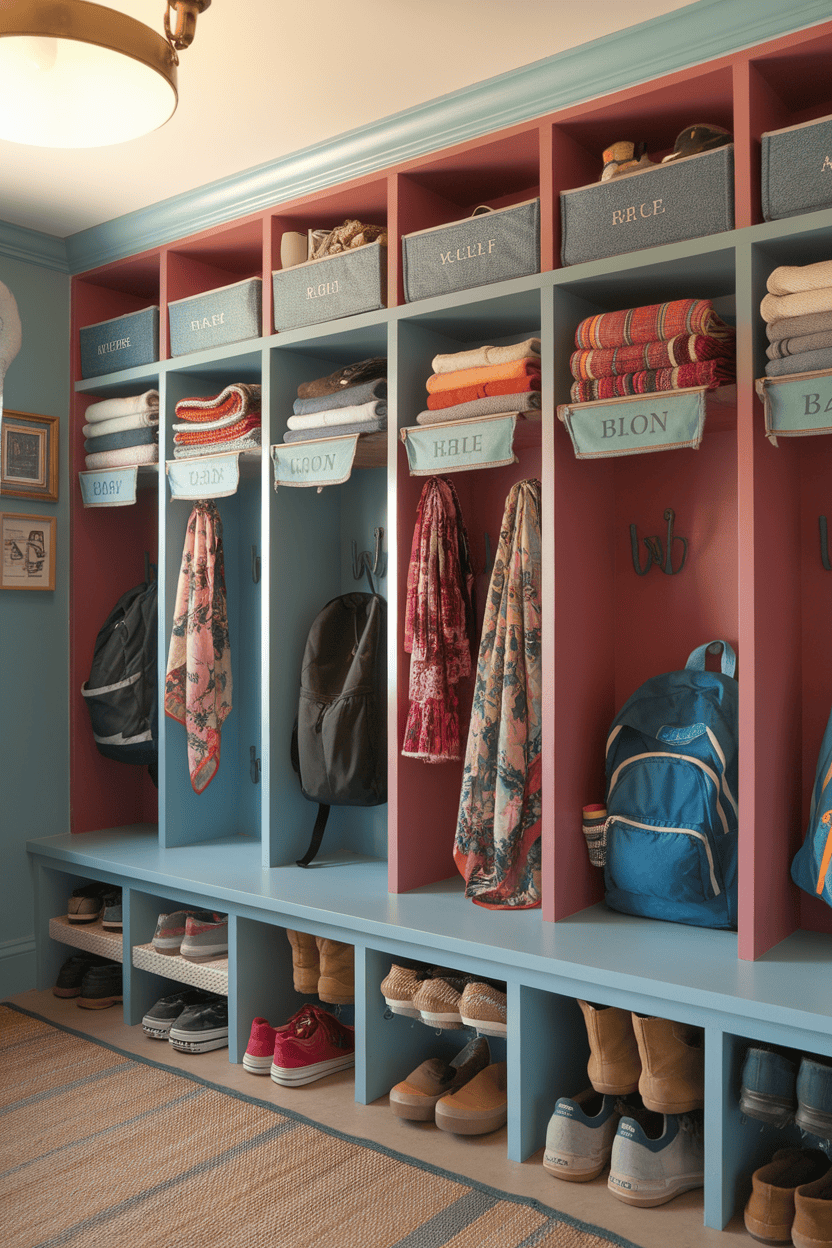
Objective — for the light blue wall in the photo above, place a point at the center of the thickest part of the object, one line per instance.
(34, 630)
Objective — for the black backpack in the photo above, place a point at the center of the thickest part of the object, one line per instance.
(339, 745)
(121, 691)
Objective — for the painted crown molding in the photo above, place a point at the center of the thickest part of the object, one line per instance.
(699, 32)
(32, 247)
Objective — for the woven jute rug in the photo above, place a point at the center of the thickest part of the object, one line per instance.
(101, 1148)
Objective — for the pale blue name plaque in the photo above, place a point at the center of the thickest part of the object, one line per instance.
(324, 461)
(665, 421)
(459, 445)
(208, 476)
(108, 487)
(796, 406)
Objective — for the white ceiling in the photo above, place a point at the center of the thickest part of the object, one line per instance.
(265, 78)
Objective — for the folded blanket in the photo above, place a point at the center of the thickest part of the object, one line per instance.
(806, 362)
(128, 455)
(234, 401)
(336, 431)
(201, 436)
(791, 278)
(486, 373)
(350, 396)
(776, 307)
(130, 405)
(710, 373)
(351, 375)
(479, 356)
(798, 326)
(489, 406)
(103, 428)
(115, 441)
(466, 394)
(651, 323)
(796, 346)
(339, 415)
(615, 361)
(249, 442)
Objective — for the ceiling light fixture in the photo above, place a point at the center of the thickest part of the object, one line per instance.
(76, 74)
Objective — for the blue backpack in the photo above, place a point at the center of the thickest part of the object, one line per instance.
(671, 826)
(810, 868)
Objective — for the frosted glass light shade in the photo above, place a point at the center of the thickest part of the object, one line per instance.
(76, 74)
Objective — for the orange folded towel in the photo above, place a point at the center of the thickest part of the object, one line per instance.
(483, 375)
(467, 394)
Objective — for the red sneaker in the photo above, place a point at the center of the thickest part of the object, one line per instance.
(313, 1044)
(257, 1059)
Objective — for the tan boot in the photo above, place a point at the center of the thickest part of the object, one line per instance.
(305, 962)
(614, 1065)
(336, 984)
(672, 1065)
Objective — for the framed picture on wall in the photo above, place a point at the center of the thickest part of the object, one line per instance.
(28, 551)
(29, 456)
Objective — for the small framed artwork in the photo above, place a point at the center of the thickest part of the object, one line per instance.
(28, 549)
(29, 456)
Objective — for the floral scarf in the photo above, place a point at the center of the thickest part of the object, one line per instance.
(497, 847)
(198, 680)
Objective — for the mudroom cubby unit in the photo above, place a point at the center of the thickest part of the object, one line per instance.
(384, 880)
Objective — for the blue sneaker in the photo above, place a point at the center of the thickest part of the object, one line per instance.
(580, 1135)
(814, 1097)
(768, 1087)
(656, 1157)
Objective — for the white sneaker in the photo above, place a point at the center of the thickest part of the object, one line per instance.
(580, 1135)
(657, 1157)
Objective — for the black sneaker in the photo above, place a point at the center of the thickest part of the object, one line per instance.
(159, 1019)
(101, 986)
(68, 983)
(201, 1027)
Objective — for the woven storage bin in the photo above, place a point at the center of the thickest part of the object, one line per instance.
(227, 314)
(334, 286)
(797, 169)
(688, 198)
(123, 342)
(489, 248)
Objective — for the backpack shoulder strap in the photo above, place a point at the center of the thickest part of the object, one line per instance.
(317, 836)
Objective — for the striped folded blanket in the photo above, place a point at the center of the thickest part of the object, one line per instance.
(126, 457)
(710, 373)
(129, 405)
(336, 431)
(235, 401)
(127, 437)
(805, 362)
(528, 401)
(467, 394)
(339, 415)
(349, 396)
(798, 326)
(655, 322)
(483, 375)
(119, 424)
(796, 346)
(201, 436)
(249, 442)
(669, 353)
(476, 357)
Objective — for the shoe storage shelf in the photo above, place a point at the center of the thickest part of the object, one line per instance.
(385, 880)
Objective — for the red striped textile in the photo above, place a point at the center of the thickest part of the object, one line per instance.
(710, 373)
(616, 361)
(658, 321)
(211, 436)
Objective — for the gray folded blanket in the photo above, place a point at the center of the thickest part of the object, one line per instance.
(796, 346)
(797, 326)
(528, 401)
(806, 362)
(335, 431)
(128, 437)
(350, 396)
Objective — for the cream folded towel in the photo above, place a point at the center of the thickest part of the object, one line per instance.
(790, 278)
(130, 405)
(141, 420)
(776, 307)
(339, 416)
(128, 455)
(529, 349)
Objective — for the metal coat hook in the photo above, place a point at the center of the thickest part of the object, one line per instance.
(824, 544)
(255, 565)
(364, 562)
(654, 549)
(254, 765)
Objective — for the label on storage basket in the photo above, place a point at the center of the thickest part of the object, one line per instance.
(108, 487)
(665, 421)
(206, 476)
(325, 461)
(796, 406)
(459, 445)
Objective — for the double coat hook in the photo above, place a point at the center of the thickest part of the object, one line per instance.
(363, 562)
(654, 549)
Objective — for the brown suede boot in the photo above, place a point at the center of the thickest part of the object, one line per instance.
(614, 1065)
(336, 984)
(770, 1211)
(672, 1065)
(812, 1226)
(305, 962)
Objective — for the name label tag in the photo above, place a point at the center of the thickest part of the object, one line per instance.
(209, 476)
(796, 406)
(324, 461)
(459, 445)
(108, 487)
(668, 420)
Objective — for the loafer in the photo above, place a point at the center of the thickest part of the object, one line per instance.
(770, 1210)
(416, 1096)
(478, 1107)
(100, 987)
(812, 1226)
(86, 902)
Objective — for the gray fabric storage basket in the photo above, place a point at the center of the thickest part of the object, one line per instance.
(687, 198)
(797, 169)
(122, 342)
(473, 252)
(227, 314)
(334, 286)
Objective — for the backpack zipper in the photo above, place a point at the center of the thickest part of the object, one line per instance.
(685, 758)
(650, 827)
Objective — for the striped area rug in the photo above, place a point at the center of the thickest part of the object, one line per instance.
(100, 1148)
